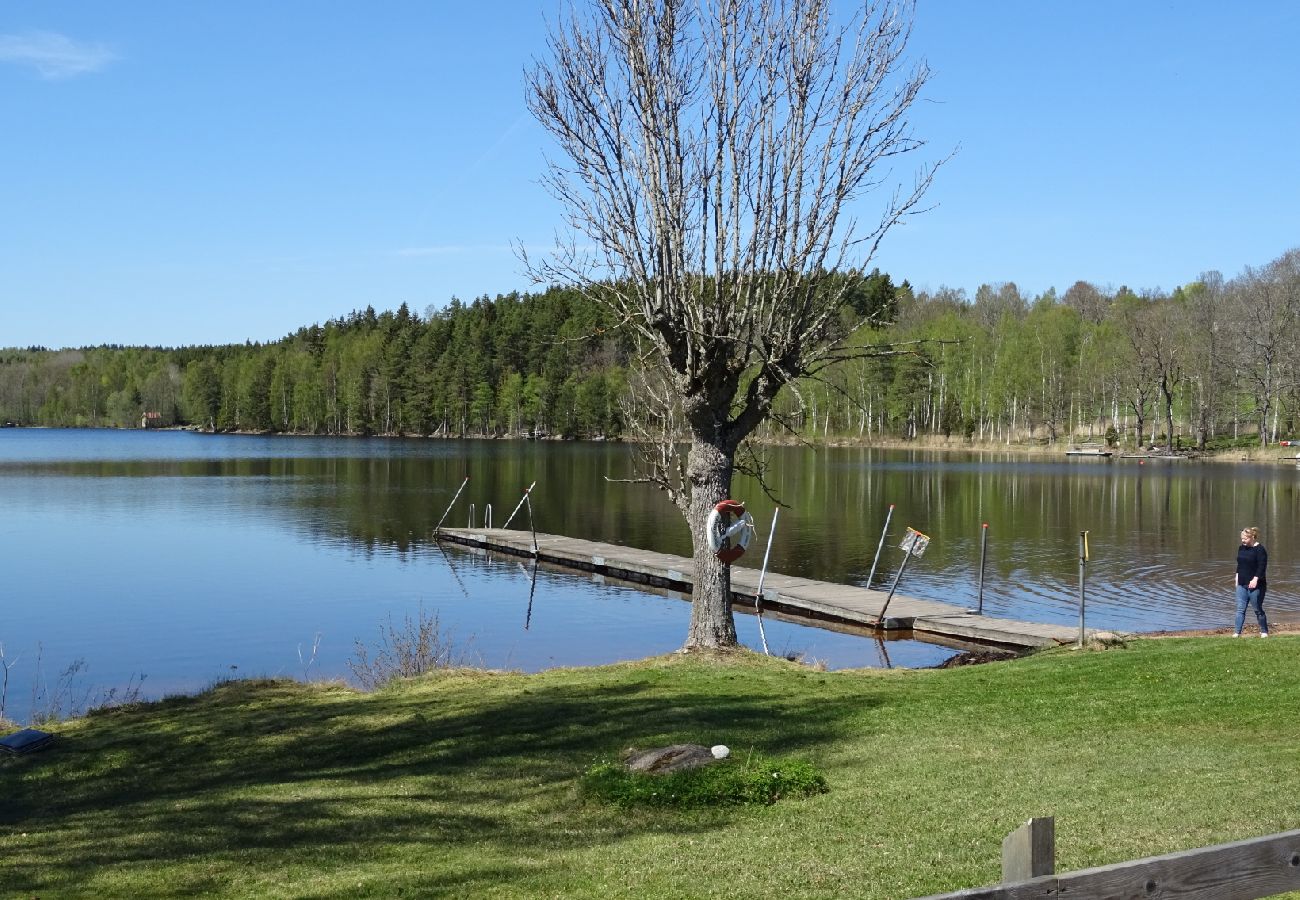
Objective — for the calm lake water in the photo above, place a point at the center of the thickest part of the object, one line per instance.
(187, 558)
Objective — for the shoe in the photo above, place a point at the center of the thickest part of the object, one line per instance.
(1236, 634)
(1263, 634)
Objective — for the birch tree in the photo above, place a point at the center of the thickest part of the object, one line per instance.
(1207, 353)
(718, 158)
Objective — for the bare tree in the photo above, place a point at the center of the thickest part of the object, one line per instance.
(715, 155)
(1138, 372)
(1090, 303)
(1164, 335)
(993, 302)
(1266, 310)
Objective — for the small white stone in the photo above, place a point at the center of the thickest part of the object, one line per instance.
(720, 751)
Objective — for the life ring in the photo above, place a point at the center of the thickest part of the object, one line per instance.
(729, 542)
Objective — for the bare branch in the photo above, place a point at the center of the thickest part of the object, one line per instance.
(716, 157)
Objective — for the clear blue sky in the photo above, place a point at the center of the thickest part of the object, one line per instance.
(208, 172)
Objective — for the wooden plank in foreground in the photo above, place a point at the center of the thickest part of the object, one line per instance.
(1242, 870)
(786, 593)
(1030, 851)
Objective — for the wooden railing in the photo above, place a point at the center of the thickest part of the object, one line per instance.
(1259, 867)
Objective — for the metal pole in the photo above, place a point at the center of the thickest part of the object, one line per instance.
(452, 568)
(872, 575)
(532, 589)
(880, 623)
(520, 505)
(984, 555)
(762, 575)
(884, 654)
(1083, 561)
(531, 526)
(451, 504)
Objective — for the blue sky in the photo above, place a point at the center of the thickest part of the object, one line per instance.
(186, 173)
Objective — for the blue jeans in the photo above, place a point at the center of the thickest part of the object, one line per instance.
(1247, 597)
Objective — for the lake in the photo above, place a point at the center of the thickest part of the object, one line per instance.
(188, 558)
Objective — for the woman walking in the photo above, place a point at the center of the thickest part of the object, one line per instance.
(1252, 564)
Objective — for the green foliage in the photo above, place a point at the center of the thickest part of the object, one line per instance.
(1228, 442)
(1001, 367)
(546, 362)
(874, 297)
(757, 779)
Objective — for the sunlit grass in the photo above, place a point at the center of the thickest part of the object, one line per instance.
(467, 783)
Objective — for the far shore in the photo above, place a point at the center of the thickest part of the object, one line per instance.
(928, 443)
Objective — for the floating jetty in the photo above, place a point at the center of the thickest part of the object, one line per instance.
(926, 619)
(1089, 450)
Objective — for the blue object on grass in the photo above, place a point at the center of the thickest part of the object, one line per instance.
(25, 741)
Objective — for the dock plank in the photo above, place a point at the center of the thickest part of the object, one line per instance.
(788, 593)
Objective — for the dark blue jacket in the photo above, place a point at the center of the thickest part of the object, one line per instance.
(1252, 562)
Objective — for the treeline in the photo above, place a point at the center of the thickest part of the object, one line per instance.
(547, 362)
(1214, 359)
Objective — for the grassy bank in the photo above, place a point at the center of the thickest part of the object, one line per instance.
(465, 784)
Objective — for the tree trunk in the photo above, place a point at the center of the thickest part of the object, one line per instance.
(1168, 393)
(709, 469)
(715, 153)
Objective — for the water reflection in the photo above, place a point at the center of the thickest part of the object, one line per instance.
(182, 555)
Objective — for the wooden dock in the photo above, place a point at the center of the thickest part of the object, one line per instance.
(926, 619)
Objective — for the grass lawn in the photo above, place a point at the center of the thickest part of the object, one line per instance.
(465, 784)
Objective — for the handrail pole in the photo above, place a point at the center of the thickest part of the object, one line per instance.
(984, 555)
(762, 576)
(527, 491)
(450, 505)
(880, 620)
(1083, 562)
(872, 575)
(532, 526)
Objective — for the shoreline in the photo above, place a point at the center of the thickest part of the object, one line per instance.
(1250, 631)
(1254, 454)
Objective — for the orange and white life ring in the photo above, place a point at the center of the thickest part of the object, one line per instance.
(728, 541)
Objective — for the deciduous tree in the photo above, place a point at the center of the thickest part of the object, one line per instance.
(715, 157)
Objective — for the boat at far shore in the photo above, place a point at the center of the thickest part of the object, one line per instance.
(1088, 450)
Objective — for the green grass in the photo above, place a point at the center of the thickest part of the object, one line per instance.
(754, 779)
(469, 784)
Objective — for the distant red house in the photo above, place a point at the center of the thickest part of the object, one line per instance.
(151, 420)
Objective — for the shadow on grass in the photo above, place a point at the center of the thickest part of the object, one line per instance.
(458, 779)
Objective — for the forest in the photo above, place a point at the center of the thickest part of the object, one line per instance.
(1214, 361)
